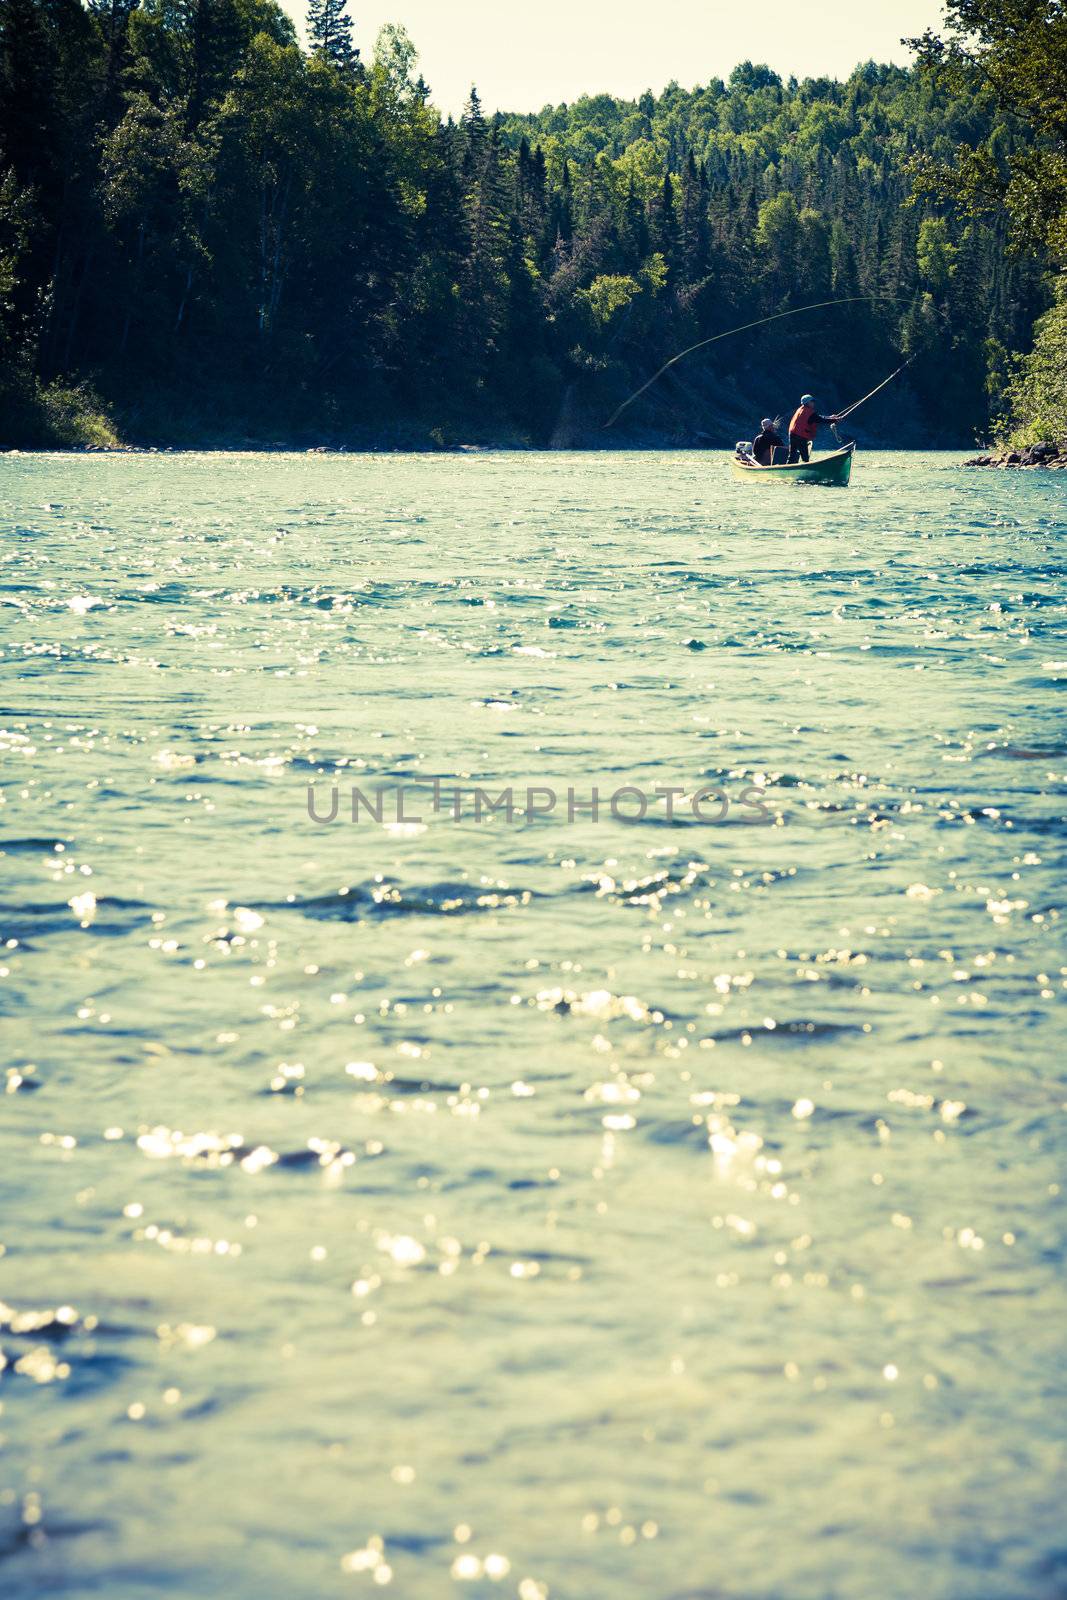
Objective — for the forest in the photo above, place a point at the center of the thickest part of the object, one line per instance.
(212, 235)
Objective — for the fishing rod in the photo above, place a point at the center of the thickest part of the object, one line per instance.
(841, 415)
(820, 305)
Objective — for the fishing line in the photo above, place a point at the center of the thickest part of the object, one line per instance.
(820, 305)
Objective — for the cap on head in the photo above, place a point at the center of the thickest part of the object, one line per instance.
(807, 399)
(767, 423)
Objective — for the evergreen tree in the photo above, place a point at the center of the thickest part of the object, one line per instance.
(330, 30)
(665, 223)
(472, 124)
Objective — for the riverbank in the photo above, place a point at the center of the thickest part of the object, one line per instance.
(720, 446)
(706, 410)
(1042, 454)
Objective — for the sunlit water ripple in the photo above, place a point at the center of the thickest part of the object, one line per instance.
(588, 1209)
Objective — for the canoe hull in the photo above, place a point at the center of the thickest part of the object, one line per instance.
(833, 471)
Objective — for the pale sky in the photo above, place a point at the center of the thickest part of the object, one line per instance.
(524, 54)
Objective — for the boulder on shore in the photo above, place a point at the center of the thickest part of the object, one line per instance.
(1042, 454)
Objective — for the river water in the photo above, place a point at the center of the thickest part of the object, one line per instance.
(534, 1205)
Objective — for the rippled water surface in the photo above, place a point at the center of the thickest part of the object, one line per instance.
(647, 1208)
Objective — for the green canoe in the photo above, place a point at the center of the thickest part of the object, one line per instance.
(834, 469)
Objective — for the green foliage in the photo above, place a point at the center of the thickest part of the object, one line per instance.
(654, 273)
(608, 294)
(1037, 391)
(935, 254)
(235, 237)
(1011, 54)
(73, 415)
(67, 416)
(777, 238)
(16, 214)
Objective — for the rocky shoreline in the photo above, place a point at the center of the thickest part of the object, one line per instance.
(1043, 454)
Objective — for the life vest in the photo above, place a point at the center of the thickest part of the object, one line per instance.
(803, 424)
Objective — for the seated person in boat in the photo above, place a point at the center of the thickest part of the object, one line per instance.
(766, 442)
(803, 426)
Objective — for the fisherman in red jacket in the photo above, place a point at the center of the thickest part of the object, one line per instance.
(803, 426)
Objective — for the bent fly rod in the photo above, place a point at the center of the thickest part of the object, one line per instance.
(819, 305)
(841, 415)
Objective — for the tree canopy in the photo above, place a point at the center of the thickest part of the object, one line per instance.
(1010, 55)
(208, 234)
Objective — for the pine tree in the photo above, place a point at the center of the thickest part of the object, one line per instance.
(28, 133)
(330, 31)
(473, 124)
(633, 230)
(113, 17)
(665, 222)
